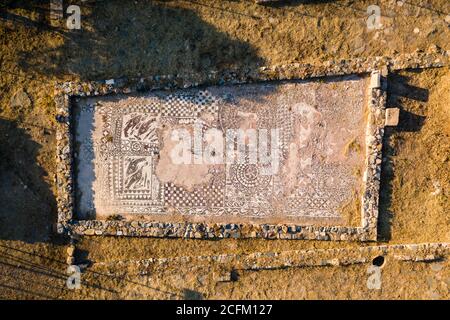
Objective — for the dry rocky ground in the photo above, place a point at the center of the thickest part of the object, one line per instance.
(169, 37)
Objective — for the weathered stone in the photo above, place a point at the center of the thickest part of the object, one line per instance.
(89, 232)
(135, 224)
(20, 100)
(392, 116)
(70, 260)
(375, 80)
(70, 250)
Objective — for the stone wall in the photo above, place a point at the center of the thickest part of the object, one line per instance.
(375, 130)
(425, 252)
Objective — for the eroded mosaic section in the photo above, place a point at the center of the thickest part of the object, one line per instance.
(298, 151)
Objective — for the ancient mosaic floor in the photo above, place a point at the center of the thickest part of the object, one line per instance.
(298, 145)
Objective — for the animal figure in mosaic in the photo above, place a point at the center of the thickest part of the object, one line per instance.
(136, 176)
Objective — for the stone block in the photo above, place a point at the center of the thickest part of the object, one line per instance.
(392, 116)
(375, 80)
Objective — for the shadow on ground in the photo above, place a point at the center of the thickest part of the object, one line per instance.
(151, 38)
(399, 89)
(27, 202)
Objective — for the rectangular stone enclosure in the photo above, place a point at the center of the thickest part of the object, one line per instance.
(297, 159)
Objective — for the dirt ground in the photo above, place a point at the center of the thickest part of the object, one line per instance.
(169, 37)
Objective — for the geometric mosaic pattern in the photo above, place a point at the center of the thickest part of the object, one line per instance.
(122, 148)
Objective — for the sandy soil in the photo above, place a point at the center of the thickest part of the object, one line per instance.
(180, 36)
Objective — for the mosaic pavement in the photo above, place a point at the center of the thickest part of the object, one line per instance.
(169, 155)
